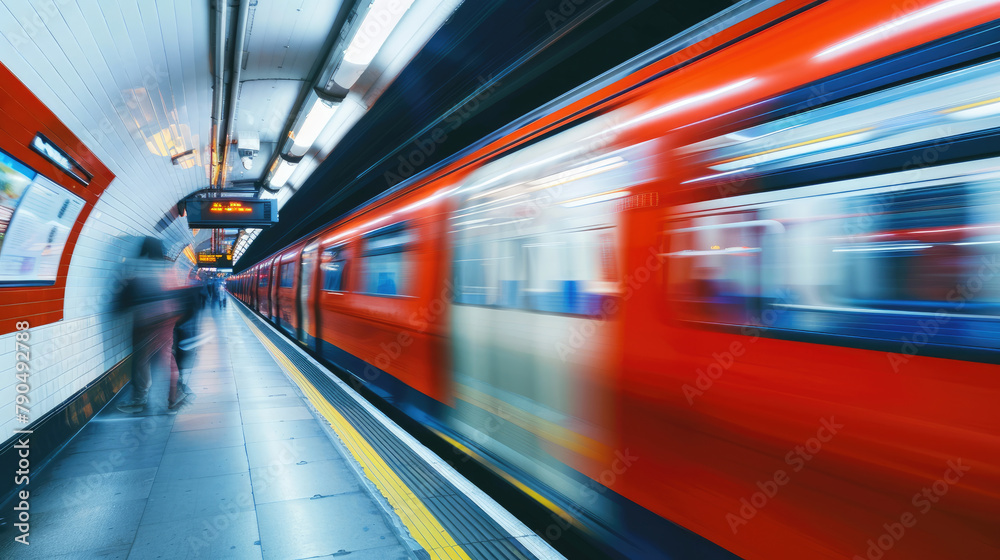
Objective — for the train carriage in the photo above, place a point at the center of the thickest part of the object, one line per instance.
(747, 302)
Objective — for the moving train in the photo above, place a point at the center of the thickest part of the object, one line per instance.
(740, 297)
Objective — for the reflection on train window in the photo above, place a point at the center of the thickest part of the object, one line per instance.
(473, 270)
(885, 263)
(262, 282)
(334, 265)
(287, 275)
(384, 264)
(569, 272)
(715, 267)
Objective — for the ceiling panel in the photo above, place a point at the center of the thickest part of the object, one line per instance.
(285, 38)
(131, 78)
(283, 42)
(264, 106)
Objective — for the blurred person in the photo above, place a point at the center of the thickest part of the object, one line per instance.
(203, 294)
(186, 340)
(213, 292)
(147, 296)
(222, 295)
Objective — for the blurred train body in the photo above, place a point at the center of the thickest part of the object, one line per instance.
(752, 290)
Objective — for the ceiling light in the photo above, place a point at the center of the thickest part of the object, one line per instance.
(314, 123)
(381, 19)
(379, 22)
(282, 173)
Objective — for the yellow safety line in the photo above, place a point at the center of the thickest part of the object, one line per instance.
(424, 527)
(517, 483)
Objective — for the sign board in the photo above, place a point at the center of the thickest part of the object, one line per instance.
(231, 213)
(60, 159)
(215, 260)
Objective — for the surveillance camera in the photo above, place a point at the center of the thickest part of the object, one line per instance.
(247, 146)
(246, 156)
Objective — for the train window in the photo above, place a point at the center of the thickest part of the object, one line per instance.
(715, 266)
(473, 266)
(880, 263)
(569, 271)
(262, 278)
(334, 267)
(384, 265)
(288, 275)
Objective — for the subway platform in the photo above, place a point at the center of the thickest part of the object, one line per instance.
(274, 458)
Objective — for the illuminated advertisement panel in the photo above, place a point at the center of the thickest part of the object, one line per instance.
(36, 216)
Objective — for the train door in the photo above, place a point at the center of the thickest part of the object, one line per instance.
(265, 281)
(272, 288)
(307, 330)
(538, 278)
(286, 309)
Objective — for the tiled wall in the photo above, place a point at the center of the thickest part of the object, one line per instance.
(69, 354)
(121, 76)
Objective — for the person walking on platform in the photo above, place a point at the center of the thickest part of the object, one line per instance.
(146, 296)
(213, 293)
(222, 294)
(186, 339)
(203, 295)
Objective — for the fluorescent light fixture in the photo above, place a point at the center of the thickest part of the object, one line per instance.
(316, 120)
(282, 173)
(381, 19)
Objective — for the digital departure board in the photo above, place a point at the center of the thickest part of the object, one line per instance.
(231, 213)
(215, 260)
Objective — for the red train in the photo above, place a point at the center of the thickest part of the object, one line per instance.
(747, 287)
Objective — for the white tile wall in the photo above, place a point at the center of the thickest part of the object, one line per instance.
(116, 72)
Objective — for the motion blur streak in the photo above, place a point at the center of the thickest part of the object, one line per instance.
(751, 305)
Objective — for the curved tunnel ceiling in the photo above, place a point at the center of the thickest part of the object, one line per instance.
(519, 54)
(134, 80)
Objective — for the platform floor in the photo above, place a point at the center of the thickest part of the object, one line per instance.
(250, 469)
